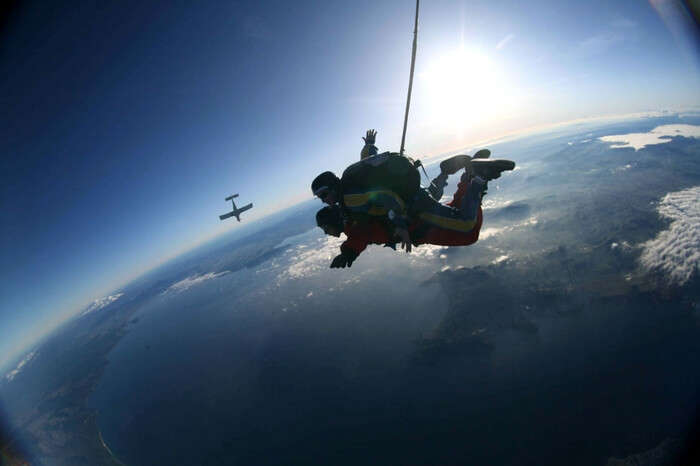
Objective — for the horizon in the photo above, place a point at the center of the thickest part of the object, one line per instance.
(124, 147)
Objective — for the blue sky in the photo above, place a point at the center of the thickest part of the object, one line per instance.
(125, 125)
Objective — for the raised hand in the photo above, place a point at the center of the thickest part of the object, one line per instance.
(370, 137)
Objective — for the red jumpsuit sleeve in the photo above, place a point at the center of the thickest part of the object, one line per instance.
(354, 244)
(357, 239)
(359, 236)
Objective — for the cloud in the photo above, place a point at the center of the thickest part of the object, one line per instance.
(13, 373)
(309, 261)
(495, 203)
(423, 252)
(98, 304)
(505, 41)
(193, 280)
(623, 168)
(676, 252)
(624, 246)
(488, 232)
(500, 259)
(659, 135)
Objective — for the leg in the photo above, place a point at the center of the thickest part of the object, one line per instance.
(437, 186)
(469, 193)
(444, 237)
(450, 167)
(432, 213)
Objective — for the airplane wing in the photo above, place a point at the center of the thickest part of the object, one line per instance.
(244, 208)
(225, 216)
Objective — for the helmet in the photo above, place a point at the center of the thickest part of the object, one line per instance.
(330, 216)
(326, 180)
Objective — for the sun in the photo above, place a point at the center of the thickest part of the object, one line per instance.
(464, 86)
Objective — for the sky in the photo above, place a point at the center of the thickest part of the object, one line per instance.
(125, 124)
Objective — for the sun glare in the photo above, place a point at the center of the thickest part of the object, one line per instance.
(463, 87)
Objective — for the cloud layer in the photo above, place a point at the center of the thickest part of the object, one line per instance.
(98, 304)
(307, 261)
(676, 252)
(193, 280)
(13, 373)
(658, 135)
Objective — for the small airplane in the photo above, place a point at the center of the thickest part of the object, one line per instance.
(235, 212)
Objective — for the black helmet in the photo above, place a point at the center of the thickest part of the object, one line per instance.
(330, 216)
(326, 180)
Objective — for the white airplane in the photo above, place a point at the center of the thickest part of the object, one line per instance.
(235, 212)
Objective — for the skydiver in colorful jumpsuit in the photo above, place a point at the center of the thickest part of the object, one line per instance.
(361, 234)
(450, 222)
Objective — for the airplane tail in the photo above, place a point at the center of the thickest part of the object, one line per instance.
(231, 197)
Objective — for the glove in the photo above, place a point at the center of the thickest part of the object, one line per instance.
(340, 262)
(370, 137)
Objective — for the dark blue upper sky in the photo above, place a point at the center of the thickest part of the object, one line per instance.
(125, 124)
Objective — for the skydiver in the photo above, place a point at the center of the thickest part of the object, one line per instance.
(388, 207)
(360, 234)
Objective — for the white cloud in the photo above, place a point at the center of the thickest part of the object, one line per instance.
(505, 41)
(189, 282)
(499, 259)
(313, 260)
(424, 250)
(495, 204)
(659, 135)
(98, 304)
(621, 169)
(13, 373)
(676, 252)
(624, 246)
(483, 234)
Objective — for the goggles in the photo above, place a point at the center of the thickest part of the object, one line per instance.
(322, 192)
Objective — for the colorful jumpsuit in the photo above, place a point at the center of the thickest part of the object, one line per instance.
(361, 234)
(460, 215)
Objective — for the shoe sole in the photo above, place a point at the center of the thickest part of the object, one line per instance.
(454, 164)
(491, 169)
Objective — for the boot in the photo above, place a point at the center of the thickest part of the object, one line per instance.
(491, 169)
(482, 154)
(454, 164)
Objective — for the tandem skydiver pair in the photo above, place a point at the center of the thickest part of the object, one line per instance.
(379, 200)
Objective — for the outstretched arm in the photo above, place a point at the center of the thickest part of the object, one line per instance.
(369, 148)
(349, 251)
